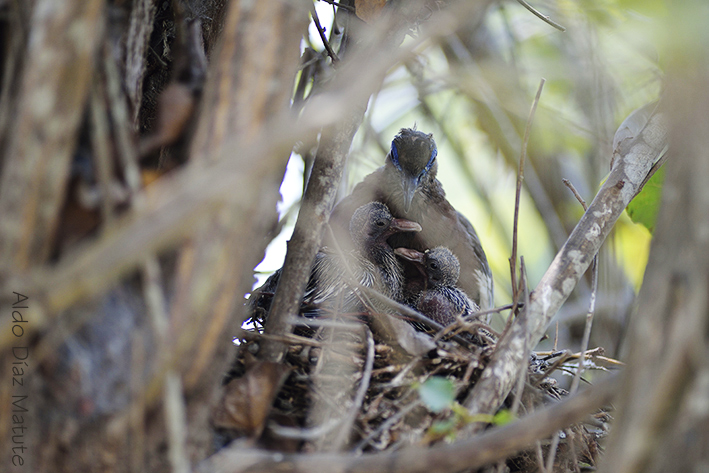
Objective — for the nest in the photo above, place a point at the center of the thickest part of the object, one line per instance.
(342, 386)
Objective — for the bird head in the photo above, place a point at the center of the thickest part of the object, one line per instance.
(373, 223)
(440, 265)
(412, 162)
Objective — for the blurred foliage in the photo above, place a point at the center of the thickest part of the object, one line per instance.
(473, 91)
(644, 207)
(437, 393)
(503, 417)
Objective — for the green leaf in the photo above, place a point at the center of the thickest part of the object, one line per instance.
(644, 207)
(437, 393)
(503, 417)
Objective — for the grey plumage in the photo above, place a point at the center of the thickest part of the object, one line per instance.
(407, 184)
(370, 262)
(440, 299)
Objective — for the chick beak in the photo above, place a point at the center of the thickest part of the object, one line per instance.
(401, 225)
(409, 186)
(409, 254)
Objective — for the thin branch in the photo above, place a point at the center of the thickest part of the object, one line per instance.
(321, 32)
(522, 372)
(542, 17)
(518, 191)
(570, 435)
(176, 420)
(339, 5)
(552, 452)
(100, 136)
(124, 135)
(591, 306)
(571, 187)
(539, 456)
(309, 434)
(346, 428)
(494, 310)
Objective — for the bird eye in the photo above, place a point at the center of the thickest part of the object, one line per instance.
(433, 266)
(380, 223)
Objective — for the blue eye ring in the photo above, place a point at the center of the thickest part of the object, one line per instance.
(395, 156)
(434, 153)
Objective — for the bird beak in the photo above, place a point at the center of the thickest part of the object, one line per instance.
(409, 254)
(409, 185)
(401, 225)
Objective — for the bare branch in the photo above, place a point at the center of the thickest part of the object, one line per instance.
(487, 448)
(634, 158)
(518, 190)
(314, 214)
(542, 17)
(321, 32)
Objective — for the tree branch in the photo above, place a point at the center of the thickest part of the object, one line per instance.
(313, 217)
(35, 168)
(634, 158)
(487, 448)
(542, 17)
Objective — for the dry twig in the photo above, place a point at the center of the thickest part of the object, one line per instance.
(542, 17)
(487, 448)
(518, 192)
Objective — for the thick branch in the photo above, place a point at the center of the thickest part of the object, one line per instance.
(313, 216)
(633, 160)
(53, 92)
(216, 264)
(473, 453)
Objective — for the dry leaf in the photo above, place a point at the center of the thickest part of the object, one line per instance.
(175, 107)
(369, 10)
(247, 400)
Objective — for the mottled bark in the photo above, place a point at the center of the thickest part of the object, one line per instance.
(314, 214)
(249, 82)
(634, 159)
